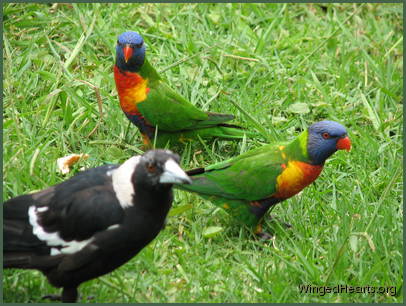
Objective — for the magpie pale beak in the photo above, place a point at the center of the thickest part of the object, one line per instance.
(173, 174)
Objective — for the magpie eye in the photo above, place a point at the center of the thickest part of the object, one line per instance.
(151, 168)
(326, 135)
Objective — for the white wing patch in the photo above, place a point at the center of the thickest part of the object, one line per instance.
(109, 172)
(122, 184)
(41, 209)
(114, 226)
(53, 239)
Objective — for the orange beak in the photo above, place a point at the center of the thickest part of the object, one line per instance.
(128, 52)
(344, 144)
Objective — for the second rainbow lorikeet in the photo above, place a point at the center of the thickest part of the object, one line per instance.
(149, 103)
(249, 184)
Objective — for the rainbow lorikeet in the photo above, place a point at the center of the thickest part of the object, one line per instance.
(249, 184)
(149, 103)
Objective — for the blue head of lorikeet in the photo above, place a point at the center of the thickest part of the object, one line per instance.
(130, 51)
(325, 138)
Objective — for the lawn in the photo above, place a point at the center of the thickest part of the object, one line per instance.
(287, 66)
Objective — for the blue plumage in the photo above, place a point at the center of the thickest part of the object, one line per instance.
(136, 43)
(322, 141)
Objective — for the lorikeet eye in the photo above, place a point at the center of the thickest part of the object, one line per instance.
(326, 135)
(139, 45)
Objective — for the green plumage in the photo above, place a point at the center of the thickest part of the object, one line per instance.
(176, 118)
(235, 183)
(161, 114)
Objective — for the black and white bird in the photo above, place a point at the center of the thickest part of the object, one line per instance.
(92, 223)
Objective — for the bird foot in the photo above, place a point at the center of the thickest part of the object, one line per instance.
(264, 236)
(56, 297)
(52, 297)
(284, 224)
(69, 295)
(261, 234)
(90, 297)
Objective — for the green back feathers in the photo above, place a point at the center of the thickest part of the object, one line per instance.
(170, 111)
(164, 107)
(249, 176)
(177, 119)
(149, 72)
(168, 139)
(297, 149)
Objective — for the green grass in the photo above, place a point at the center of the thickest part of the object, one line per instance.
(342, 62)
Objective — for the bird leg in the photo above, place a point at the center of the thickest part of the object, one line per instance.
(259, 209)
(259, 233)
(52, 297)
(69, 295)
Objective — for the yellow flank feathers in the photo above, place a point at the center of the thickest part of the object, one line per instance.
(137, 93)
(132, 89)
(292, 175)
(296, 176)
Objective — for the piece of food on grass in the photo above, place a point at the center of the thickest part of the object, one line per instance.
(64, 163)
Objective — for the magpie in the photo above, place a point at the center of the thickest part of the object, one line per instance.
(92, 223)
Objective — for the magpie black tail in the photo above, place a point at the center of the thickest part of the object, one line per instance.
(20, 245)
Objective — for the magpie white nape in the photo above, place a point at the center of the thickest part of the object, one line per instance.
(92, 223)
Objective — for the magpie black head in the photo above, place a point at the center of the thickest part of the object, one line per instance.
(159, 167)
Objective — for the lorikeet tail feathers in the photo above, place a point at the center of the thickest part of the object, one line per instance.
(231, 126)
(216, 118)
(224, 131)
(213, 119)
(220, 131)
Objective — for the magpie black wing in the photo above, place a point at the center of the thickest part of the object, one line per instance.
(81, 214)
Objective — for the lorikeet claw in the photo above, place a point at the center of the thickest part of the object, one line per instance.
(259, 233)
(284, 224)
(264, 236)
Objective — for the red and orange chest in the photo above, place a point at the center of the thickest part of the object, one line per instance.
(295, 176)
(132, 89)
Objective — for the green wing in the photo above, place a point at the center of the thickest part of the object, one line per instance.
(248, 177)
(170, 111)
(266, 151)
